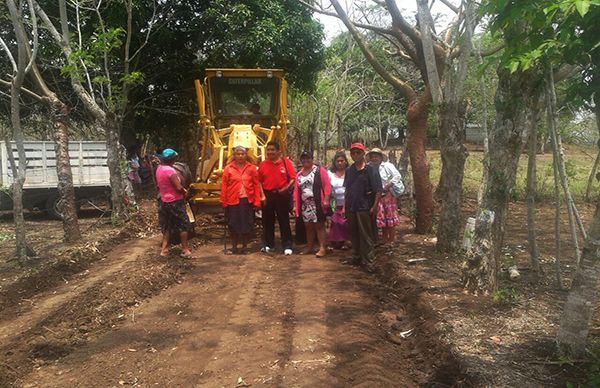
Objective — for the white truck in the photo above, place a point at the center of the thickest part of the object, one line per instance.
(88, 165)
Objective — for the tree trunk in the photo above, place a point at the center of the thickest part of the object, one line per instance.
(592, 176)
(543, 143)
(18, 171)
(417, 126)
(403, 161)
(516, 97)
(560, 162)
(59, 114)
(556, 222)
(454, 154)
(118, 195)
(17, 199)
(531, 192)
(452, 136)
(485, 130)
(579, 308)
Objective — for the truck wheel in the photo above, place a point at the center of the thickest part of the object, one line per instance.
(53, 207)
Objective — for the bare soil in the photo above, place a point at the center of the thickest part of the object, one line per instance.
(110, 312)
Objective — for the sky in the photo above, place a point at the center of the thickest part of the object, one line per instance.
(334, 26)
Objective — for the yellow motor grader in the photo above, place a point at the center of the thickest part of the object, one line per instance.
(246, 107)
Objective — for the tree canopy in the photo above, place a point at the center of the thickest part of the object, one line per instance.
(179, 40)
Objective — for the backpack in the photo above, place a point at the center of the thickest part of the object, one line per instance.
(184, 173)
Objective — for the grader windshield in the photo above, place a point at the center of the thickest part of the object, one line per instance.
(238, 96)
(238, 107)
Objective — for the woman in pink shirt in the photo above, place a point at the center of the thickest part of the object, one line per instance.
(172, 215)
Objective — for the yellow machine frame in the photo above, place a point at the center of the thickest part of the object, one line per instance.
(217, 143)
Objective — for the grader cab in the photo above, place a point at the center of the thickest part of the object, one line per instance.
(246, 107)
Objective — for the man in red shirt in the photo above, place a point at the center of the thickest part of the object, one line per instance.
(276, 175)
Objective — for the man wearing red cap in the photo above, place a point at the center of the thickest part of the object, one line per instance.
(363, 190)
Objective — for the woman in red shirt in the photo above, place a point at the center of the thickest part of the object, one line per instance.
(240, 194)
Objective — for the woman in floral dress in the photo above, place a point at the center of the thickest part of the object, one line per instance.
(311, 198)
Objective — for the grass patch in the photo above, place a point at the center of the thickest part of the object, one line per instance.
(6, 237)
(578, 161)
(506, 296)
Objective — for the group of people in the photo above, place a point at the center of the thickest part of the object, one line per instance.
(139, 170)
(358, 198)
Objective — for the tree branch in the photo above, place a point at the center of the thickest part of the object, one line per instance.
(80, 42)
(377, 66)
(566, 71)
(150, 25)
(493, 50)
(425, 24)
(9, 54)
(402, 24)
(452, 7)
(370, 27)
(81, 92)
(34, 33)
(27, 91)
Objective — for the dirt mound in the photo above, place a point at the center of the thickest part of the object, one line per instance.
(56, 266)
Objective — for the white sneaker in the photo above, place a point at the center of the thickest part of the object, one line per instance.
(288, 252)
(266, 249)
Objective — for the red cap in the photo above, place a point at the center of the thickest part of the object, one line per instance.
(358, 146)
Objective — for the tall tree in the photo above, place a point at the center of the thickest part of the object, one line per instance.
(429, 52)
(575, 39)
(531, 39)
(106, 63)
(59, 114)
(452, 135)
(21, 65)
(516, 97)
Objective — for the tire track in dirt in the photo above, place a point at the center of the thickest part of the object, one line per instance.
(74, 315)
(269, 320)
(254, 337)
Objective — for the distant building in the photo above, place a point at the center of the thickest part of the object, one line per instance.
(474, 133)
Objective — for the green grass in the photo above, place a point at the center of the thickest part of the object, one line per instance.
(578, 161)
(6, 237)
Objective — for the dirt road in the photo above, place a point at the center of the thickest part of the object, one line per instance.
(215, 321)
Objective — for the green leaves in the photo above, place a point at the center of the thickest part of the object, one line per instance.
(568, 7)
(133, 78)
(582, 6)
(106, 41)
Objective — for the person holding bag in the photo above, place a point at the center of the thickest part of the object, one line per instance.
(276, 176)
(173, 217)
(311, 197)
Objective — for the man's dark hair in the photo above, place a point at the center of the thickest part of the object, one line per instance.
(274, 144)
